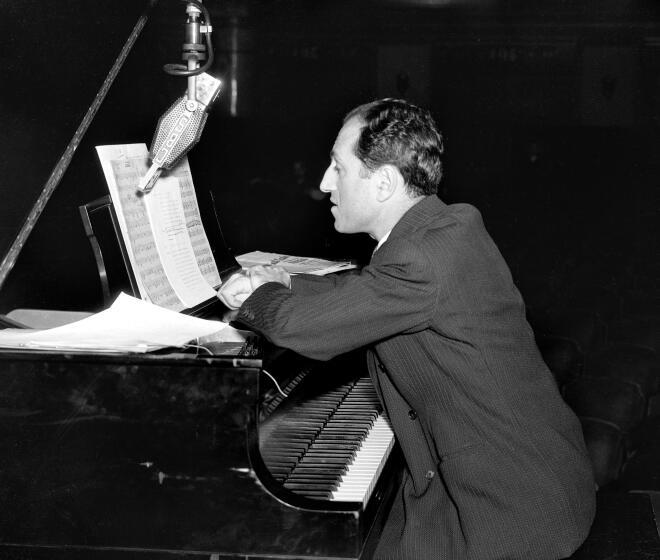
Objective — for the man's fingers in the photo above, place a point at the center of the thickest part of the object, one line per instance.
(241, 285)
(235, 291)
(262, 274)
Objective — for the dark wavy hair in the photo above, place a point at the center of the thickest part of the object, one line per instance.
(399, 133)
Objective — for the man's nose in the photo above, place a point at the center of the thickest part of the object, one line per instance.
(327, 183)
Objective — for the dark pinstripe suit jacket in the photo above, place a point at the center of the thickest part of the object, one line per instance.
(496, 462)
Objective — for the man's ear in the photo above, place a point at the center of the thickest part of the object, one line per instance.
(388, 181)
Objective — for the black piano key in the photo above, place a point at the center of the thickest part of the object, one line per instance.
(336, 436)
(308, 487)
(355, 431)
(329, 459)
(316, 495)
(325, 469)
(334, 445)
(310, 475)
(335, 459)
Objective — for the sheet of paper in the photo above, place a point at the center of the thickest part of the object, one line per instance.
(129, 325)
(228, 341)
(292, 264)
(198, 239)
(177, 256)
(123, 165)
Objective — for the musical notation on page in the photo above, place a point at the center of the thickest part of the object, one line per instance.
(173, 243)
(162, 230)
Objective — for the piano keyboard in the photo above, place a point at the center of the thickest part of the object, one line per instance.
(331, 447)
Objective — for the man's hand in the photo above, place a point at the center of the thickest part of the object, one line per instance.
(235, 290)
(241, 285)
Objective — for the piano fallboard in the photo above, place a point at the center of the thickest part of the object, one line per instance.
(157, 456)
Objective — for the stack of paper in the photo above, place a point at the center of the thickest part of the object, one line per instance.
(293, 265)
(129, 325)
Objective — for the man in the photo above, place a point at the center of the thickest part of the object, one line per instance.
(496, 462)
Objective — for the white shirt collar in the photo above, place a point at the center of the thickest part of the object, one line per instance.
(382, 240)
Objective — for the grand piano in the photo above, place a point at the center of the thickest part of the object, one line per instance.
(232, 452)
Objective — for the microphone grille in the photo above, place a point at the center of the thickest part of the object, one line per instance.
(177, 132)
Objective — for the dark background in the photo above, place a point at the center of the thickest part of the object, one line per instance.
(551, 112)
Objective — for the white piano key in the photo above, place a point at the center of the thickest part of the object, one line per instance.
(363, 471)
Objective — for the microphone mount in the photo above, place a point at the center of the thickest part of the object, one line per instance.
(194, 51)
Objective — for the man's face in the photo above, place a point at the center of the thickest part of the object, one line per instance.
(349, 184)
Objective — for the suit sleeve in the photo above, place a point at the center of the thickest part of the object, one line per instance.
(314, 284)
(349, 311)
(310, 284)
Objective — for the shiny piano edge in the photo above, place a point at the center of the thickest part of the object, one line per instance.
(162, 357)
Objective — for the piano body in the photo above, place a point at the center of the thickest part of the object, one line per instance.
(172, 454)
(133, 456)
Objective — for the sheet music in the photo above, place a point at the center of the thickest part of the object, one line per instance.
(123, 165)
(200, 242)
(168, 224)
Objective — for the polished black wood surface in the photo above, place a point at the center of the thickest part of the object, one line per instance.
(145, 456)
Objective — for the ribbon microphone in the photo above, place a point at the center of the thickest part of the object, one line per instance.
(180, 127)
